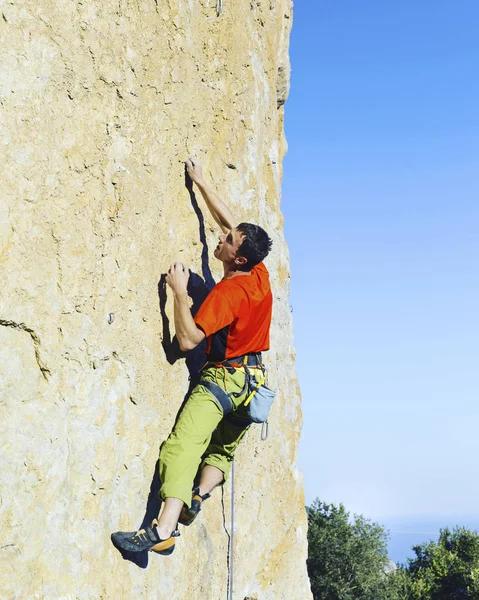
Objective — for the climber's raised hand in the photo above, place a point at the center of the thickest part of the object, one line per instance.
(177, 278)
(194, 170)
(218, 209)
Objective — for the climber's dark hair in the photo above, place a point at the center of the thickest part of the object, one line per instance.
(255, 246)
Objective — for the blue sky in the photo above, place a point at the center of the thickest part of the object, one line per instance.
(381, 206)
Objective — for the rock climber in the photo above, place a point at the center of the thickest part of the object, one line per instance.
(235, 319)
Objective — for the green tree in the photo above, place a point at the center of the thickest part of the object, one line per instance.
(446, 570)
(347, 557)
(397, 586)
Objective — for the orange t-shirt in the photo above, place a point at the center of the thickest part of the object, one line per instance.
(236, 315)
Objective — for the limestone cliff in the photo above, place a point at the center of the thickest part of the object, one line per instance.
(100, 102)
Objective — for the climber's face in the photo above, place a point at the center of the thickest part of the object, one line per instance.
(227, 249)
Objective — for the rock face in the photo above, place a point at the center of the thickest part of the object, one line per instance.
(100, 102)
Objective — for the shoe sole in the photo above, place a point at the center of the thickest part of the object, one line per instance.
(165, 548)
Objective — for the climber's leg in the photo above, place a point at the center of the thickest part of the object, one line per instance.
(210, 477)
(168, 519)
(221, 450)
(180, 455)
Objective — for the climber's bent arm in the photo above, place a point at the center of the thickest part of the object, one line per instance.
(218, 209)
(187, 333)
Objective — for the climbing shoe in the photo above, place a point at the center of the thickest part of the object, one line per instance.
(188, 515)
(145, 539)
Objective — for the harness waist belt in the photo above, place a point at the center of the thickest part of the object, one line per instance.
(251, 360)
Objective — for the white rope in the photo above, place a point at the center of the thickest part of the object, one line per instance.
(232, 538)
(219, 7)
(229, 554)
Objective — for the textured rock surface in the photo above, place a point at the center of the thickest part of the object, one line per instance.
(99, 104)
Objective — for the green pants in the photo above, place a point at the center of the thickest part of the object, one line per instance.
(203, 435)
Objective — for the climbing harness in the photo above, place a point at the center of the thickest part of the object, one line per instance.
(223, 398)
(260, 397)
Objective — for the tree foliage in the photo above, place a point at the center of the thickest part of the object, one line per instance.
(347, 557)
(347, 560)
(446, 569)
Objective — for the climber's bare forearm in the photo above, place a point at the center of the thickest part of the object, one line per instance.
(218, 209)
(187, 333)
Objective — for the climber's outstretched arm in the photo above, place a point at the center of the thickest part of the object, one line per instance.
(218, 209)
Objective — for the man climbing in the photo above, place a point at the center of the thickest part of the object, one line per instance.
(235, 318)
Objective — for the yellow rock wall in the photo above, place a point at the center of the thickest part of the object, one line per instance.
(100, 102)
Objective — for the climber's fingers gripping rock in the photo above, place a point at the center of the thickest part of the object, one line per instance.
(194, 170)
(177, 277)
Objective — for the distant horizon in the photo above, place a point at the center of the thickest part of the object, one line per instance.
(404, 517)
(462, 520)
(406, 532)
(400, 542)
